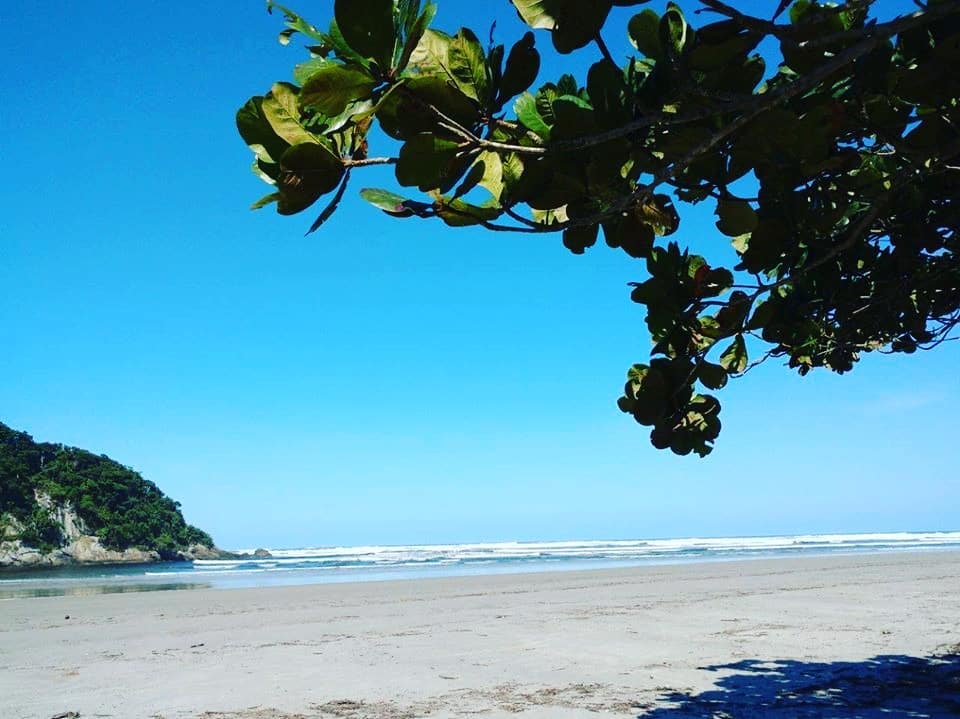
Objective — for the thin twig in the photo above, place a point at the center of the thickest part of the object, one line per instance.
(370, 161)
(604, 50)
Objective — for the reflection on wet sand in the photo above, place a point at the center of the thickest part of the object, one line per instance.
(85, 590)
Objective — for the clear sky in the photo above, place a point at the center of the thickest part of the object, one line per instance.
(380, 381)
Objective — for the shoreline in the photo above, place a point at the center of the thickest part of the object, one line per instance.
(338, 565)
(559, 644)
(43, 582)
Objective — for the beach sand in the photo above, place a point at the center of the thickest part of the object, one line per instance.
(644, 641)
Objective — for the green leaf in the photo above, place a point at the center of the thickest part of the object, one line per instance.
(407, 15)
(573, 23)
(644, 31)
(431, 53)
(673, 30)
(529, 115)
(457, 213)
(468, 66)
(295, 23)
(265, 200)
(303, 71)
(737, 217)
(308, 170)
(523, 64)
(330, 89)
(367, 26)
(257, 132)
(389, 202)
(283, 113)
(416, 33)
(734, 358)
(486, 172)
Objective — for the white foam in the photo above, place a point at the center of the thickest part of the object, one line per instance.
(447, 554)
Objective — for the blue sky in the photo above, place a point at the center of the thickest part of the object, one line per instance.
(380, 381)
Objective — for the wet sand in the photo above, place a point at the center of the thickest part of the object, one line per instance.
(647, 641)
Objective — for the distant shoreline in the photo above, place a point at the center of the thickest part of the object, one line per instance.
(249, 572)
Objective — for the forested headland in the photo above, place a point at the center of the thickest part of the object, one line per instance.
(52, 495)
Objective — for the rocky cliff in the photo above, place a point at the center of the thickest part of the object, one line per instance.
(80, 546)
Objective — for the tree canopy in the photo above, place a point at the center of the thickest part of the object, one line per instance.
(834, 172)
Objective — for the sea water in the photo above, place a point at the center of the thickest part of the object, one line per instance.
(377, 563)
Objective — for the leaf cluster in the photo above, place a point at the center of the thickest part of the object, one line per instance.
(833, 171)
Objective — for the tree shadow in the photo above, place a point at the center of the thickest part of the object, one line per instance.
(885, 687)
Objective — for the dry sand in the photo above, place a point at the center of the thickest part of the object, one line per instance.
(620, 643)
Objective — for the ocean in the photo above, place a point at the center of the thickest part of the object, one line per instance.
(318, 565)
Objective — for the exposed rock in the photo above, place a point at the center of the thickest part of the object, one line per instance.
(80, 547)
(262, 554)
(14, 555)
(88, 550)
(199, 551)
(71, 524)
(84, 550)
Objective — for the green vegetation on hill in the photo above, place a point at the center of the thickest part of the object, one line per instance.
(115, 503)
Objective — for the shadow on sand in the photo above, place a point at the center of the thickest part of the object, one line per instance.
(885, 687)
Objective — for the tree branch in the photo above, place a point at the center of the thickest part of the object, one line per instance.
(370, 161)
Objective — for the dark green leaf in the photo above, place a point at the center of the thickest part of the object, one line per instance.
(457, 213)
(308, 170)
(573, 23)
(523, 64)
(430, 163)
(574, 117)
(737, 217)
(607, 90)
(644, 30)
(332, 205)
(403, 112)
(713, 376)
(635, 237)
(578, 239)
(367, 26)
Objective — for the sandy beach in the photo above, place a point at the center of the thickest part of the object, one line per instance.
(781, 638)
